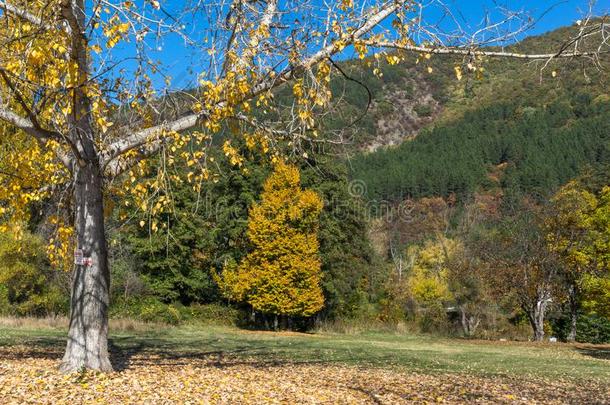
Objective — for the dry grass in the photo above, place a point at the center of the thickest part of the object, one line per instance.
(61, 322)
(54, 322)
(358, 327)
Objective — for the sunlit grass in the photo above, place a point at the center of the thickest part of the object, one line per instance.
(406, 352)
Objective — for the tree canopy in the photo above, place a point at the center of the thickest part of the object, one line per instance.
(281, 275)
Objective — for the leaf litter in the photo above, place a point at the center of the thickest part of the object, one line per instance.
(30, 376)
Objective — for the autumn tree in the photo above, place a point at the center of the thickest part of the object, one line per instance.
(281, 275)
(79, 89)
(578, 231)
(471, 277)
(521, 264)
(596, 295)
(82, 125)
(413, 221)
(428, 279)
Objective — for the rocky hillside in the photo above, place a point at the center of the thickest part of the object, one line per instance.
(401, 110)
(407, 98)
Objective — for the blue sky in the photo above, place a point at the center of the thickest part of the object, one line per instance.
(558, 13)
(182, 64)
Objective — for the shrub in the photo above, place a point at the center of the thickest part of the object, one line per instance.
(423, 110)
(590, 328)
(28, 286)
(432, 319)
(147, 310)
(150, 309)
(212, 314)
(593, 329)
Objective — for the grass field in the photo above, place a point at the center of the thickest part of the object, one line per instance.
(222, 364)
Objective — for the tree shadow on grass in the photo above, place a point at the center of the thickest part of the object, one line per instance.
(598, 352)
(135, 351)
(35, 353)
(163, 347)
(129, 352)
(44, 348)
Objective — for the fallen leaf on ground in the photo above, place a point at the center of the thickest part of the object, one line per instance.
(30, 376)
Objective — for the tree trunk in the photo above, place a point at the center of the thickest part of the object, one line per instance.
(470, 323)
(87, 346)
(536, 316)
(266, 319)
(573, 300)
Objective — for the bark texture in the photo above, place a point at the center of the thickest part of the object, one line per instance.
(536, 314)
(470, 322)
(87, 346)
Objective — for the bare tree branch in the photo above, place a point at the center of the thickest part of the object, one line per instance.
(140, 138)
(479, 52)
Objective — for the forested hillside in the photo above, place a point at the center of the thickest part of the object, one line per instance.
(535, 128)
(536, 147)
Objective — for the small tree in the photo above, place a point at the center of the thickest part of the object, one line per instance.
(428, 279)
(470, 278)
(467, 283)
(281, 275)
(28, 286)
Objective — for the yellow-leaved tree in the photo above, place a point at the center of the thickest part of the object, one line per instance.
(281, 275)
(428, 280)
(578, 231)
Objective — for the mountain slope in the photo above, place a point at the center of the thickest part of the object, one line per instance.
(543, 127)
